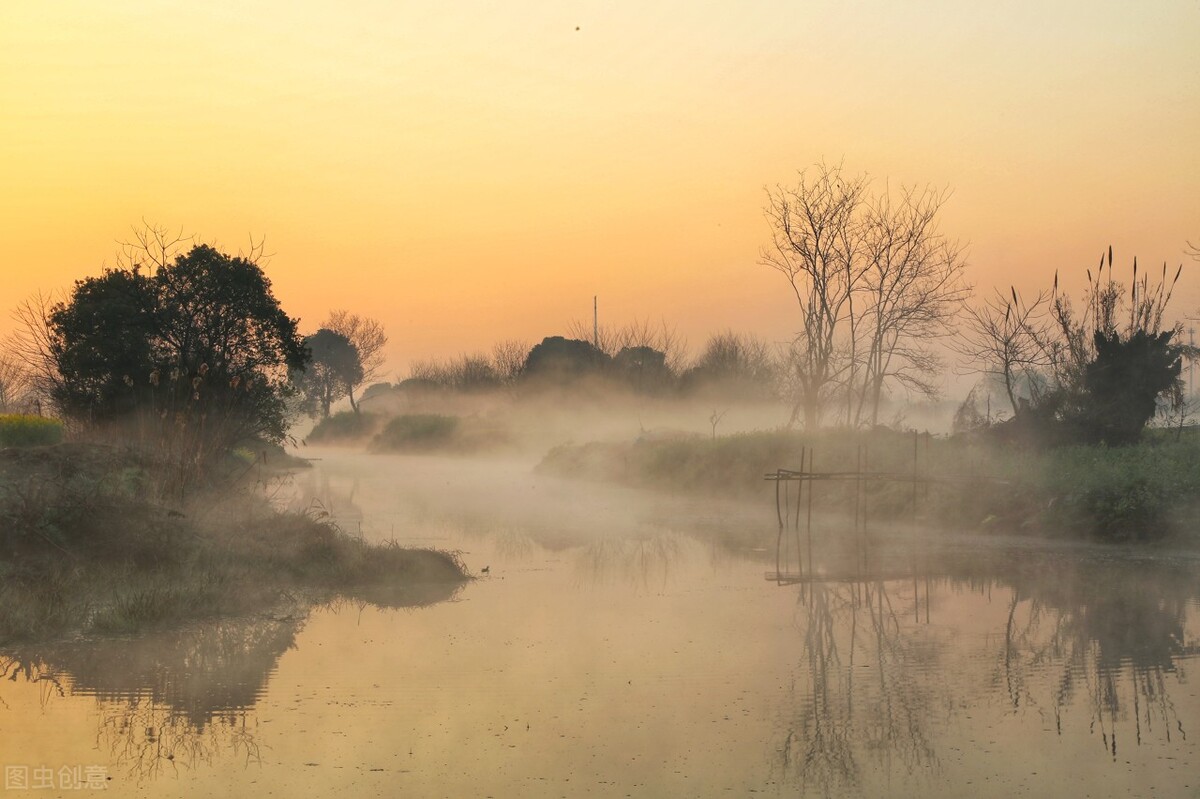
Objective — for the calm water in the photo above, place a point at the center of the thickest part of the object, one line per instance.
(626, 645)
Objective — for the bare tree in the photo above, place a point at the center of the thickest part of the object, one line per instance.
(912, 288)
(875, 282)
(368, 337)
(508, 358)
(815, 230)
(638, 333)
(1003, 338)
(14, 386)
(30, 348)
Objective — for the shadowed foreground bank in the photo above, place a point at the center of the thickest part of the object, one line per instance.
(89, 544)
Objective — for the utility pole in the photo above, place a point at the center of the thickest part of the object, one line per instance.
(595, 323)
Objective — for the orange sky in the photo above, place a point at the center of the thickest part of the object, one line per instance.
(478, 173)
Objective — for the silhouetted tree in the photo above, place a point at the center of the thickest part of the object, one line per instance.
(1107, 362)
(643, 368)
(198, 345)
(1002, 338)
(561, 359)
(334, 368)
(368, 338)
(731, 364)
(874, 282)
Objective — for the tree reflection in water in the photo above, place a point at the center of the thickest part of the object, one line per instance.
(863, 692)
(1114, 630)
(876, 684)
(168, 700)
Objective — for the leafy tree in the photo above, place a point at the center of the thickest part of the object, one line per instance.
(195, 349)
(559, 359)
(368, 338)
(644, 368)
(334, 369)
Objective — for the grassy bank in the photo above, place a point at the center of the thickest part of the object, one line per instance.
(88, 544)
(1139, 492)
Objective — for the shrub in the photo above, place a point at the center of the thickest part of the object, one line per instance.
(415, 432)
(344, 426)
(21, 430)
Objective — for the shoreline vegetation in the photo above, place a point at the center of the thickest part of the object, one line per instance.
(182, 354)
(91, 546)
(1143, 492)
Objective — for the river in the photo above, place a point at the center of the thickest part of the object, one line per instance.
(626, 644)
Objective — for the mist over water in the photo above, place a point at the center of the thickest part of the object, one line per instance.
(626, 643)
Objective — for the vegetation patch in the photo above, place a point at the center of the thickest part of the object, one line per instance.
(344, 427)
(26, 430)
(1144, 491)
(431, 432)
(90, 544)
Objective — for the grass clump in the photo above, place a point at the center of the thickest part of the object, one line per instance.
(25, 430)
(344, 427)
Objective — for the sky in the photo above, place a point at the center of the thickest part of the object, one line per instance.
(476, 171)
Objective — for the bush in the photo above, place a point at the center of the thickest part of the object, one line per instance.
(1134, 492)
(20, 430)
(344, 426)
(416, 432)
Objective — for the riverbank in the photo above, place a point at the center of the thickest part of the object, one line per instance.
(90, 545)
(1147, 491)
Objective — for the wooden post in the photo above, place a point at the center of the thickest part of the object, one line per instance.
(778, 512)
(800, 494)
(787, 512)
(810, 501)
(779, 539)
(866, 553)
(858, 538)
(796, 522)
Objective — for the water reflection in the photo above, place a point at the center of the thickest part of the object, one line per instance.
(860, 694)
(1108, 630)
(167, 700)
(1094, 644)
(640, 562)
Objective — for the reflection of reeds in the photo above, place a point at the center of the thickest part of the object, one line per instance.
(644, 562)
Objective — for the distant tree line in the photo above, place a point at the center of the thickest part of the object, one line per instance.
(636, 358)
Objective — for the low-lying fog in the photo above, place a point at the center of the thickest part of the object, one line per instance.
(623, 643)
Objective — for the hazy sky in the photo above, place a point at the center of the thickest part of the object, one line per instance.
(479, 171)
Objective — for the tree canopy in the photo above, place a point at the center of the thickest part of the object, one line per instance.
(197, 344)
(335, 368)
